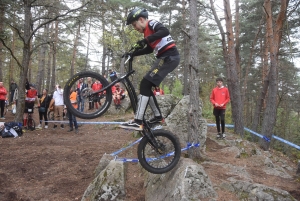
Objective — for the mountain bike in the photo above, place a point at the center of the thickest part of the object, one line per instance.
(159, 150)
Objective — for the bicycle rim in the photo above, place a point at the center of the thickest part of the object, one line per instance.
(51, 115)
(164, 160)
(90, 103)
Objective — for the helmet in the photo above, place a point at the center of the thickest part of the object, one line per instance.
(32, 85)
(135, 14)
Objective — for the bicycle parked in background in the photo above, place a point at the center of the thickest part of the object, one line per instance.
(159, 150)
(30, 120)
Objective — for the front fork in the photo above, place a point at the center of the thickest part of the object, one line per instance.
(147, 132)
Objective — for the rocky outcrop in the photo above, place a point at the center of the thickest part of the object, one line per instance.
(177, 122)
(108, 185)
(252, 192)
(188, 181)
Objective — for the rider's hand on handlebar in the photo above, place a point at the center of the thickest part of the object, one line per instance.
(141, 43)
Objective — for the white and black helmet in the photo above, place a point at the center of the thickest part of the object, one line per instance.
(135, 14)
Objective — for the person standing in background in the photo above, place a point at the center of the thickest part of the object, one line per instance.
(44, 100)
(72, 118)
(219, 98)
(12, 87)
(3, 93)
(58, 105)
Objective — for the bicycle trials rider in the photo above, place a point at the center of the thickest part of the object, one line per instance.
(158, 40)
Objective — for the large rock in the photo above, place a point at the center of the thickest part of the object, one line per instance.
(256, 192)
(108, 185)
(177, 122)
(188, 181)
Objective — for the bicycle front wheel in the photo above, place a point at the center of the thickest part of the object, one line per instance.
(31, 124)
(88, 84)
(165, 158)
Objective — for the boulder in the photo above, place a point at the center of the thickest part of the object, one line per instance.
(188, 181)
(177, 122)
(256, 192)
(108, 185)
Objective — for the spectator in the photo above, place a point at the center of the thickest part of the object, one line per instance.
(12, 87)
(31, 97)
(58, 105)
(118, 95)
(80, 99)
(219, 98)
(3, 94)
(90, 85)
(96, 87)
(112, 75)
(158, 91)
(16, 95)
(72, 118)
(44, 100)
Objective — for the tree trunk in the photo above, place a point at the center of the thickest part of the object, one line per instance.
(233, 81)
(274, 39)
(88, 45)
(41, 66)
(25, 60)
(75, 50)
(54, 45)
(237, 39)
(186, 54)
(2, 11)
(48, 66)
(194, 81)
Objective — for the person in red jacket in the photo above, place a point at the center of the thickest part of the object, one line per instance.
(3, 93)
(219, 98)
(118, 95)
(96, 87)
(158, 91)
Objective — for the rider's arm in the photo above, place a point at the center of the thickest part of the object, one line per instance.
(160, 31)
(147, 50)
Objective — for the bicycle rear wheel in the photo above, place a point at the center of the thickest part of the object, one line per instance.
(51, 115)
(167, 156)
(31, 124)
(85, 110)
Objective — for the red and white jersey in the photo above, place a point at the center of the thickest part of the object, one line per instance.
(159, 45)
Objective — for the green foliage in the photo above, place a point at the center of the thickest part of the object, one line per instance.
(176, 89)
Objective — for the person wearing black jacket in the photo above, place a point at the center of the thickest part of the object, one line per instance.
(157, 40)
(44, 100)
(12, 87)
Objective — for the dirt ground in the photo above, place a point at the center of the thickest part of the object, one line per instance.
(50, 165)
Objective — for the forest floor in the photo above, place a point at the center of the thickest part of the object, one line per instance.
(53, 164)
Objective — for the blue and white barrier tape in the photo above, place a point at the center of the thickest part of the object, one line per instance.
(85, 122)
(189, 145)
(262, 136)
(120, 150)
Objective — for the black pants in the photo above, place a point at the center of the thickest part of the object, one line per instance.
(43, 114)
(220, 116)
(2, 106)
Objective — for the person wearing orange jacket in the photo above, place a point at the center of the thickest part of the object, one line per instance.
(3, 93)
(219, 98)
(72, 118)
(158, 91)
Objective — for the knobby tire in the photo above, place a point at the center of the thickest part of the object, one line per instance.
(86, 113)
(147, 155)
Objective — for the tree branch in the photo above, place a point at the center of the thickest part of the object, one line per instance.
(185, 32)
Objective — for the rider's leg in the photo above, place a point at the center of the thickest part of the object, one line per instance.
(145, 93)
(155, 109)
